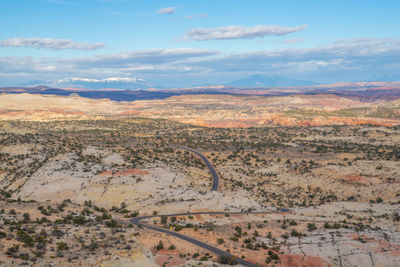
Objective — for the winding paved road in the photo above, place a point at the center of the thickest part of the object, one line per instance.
(210, 167)
(137, 221)
(215, 175)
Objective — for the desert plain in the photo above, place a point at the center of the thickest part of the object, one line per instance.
(304, 180)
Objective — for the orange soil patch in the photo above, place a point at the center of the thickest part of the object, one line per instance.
(65, 112)
(381, 245)
(168, 258)
(356, 179)
(290, 260)
(199, 218)
(130, 112)
(125, 173)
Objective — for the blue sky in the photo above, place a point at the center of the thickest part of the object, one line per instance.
(187, 42)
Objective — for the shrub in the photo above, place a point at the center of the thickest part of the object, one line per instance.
(275, 256)
(227, 259)
(25, 238)
(112, 224)
(234, 238)
(160, 245)
(12, 250)
(204, 258)
(285, 236)
(57, 233)
(311, 227)
(62, 246)
(295, 233)
(269, 235)
(134, 214)
(27, 217)
(79, 220)
(178, 228)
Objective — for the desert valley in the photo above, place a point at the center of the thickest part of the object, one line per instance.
(199, 133)
(303, 180)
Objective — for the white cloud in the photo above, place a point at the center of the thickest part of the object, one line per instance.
(362, 52)
(48, 43)
(194, 16)
(239, 32)
(106, 80)
(166, 10)
(142, 57)
(344, 58)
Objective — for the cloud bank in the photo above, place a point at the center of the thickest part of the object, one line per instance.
(142, 57)
(341, 60)
(166, 10)
(239, 32)
(106, 80)
(48, 43)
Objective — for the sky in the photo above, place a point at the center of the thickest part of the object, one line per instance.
(194, 42)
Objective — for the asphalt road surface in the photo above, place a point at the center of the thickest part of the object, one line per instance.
(215, 176)
(137, 221)
(210, 167)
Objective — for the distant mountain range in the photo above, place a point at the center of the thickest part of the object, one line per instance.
(363, 91)
(256, 80)
(251, 81)
(112, 94)
(108, 83)
(385, 78)
(262, 80)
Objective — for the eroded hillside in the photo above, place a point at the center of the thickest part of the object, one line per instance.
(208, 110)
